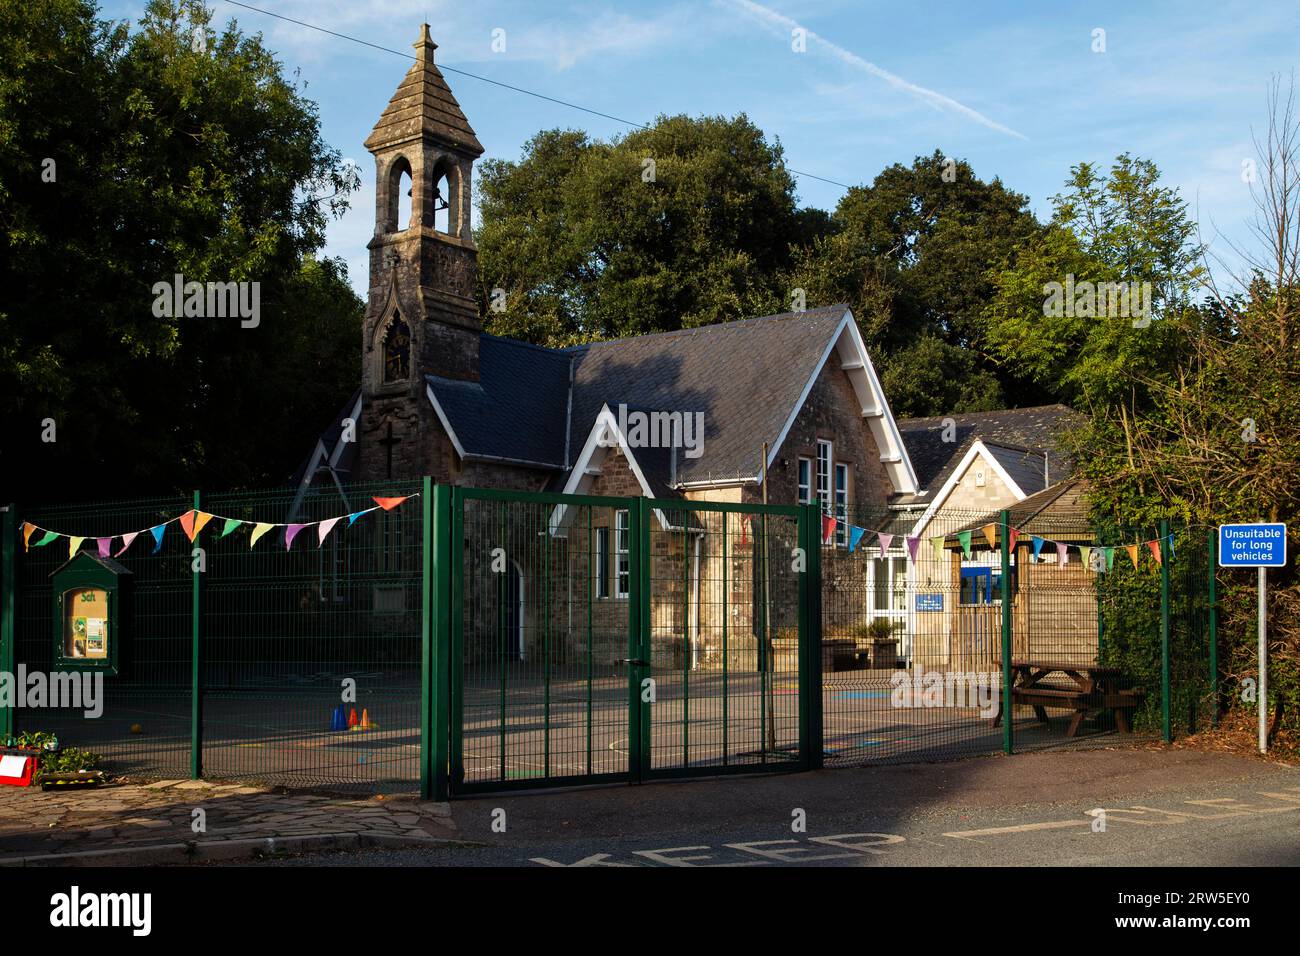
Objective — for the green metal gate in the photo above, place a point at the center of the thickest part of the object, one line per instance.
(600, 639)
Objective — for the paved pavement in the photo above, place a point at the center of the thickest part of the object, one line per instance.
(175, 821)
(1162, 808)
(1149, 806)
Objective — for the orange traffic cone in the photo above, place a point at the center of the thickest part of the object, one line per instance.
(352, 719)
(365, 719)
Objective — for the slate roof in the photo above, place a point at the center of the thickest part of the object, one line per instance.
(744, 376)
(1017, 437)
(424, 103)
(517, 409)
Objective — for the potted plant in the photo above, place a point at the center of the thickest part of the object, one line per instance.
(62, 767)
(881, 639)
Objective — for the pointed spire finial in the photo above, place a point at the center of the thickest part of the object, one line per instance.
(425, 45)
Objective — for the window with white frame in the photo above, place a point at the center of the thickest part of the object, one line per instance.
(623, 567)
(600, 560)
(824, 458)
(842, 504)
(805, 481)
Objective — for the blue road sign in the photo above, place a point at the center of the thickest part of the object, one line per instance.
(1252, 545)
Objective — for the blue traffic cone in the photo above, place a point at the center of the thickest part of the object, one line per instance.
(340, 719)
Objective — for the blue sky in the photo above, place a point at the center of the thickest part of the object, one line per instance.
(1015, 88)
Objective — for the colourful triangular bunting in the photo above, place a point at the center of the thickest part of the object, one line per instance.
(324, 528)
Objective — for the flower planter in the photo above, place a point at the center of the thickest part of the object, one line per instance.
(75, 780)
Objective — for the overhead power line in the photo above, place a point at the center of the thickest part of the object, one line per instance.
(487, 79)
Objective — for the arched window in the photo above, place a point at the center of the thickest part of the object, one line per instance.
(442, 202)
(399, 195)
(397, 351)
(404, 201)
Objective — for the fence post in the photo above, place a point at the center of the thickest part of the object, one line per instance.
(639, 519)
(1211, 562)
(196, 666)
(1166, 726)
(435, 639)
(810, 641)
(8, 554)
(1008, 712)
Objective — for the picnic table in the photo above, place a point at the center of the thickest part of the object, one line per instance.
(1086, 689)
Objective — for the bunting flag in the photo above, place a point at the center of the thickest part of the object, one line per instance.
(991, 534)
(158, 531)
(1171, 544)
(290, 533)
(388, 504)
(231, 525)
(126, 542)
(46, 539)
(324, 528)
(28, 528)
(1084, 553)
(105, 546)
(1110, 558)
(260, 529)
(913, 545)
(744, 523)
(855, 535)
(885, 541)
(1012, 537)
(1132, 550)
(937, 544)
(1062, 554)
(192, 523)
(828, 529)
(1038, 546)
(1155, 550)
(963, 538)
(357, 514)
(73, 544)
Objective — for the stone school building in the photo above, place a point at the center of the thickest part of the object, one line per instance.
(440, 397)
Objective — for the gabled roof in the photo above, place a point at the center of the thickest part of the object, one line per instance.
(748, 378)
(1060, 512)
(424, 104)
(536, 407)
(1017, 436)
(744, 376)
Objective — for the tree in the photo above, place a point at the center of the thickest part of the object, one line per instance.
(1065, 310)
(127, 158)
(912, 253)
(1217, 438)
(686, 223)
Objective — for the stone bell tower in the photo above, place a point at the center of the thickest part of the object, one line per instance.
(422, 316)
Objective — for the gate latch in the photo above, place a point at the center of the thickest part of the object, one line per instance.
(634, 660)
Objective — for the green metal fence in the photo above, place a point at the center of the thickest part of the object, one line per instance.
(925, 641)
(234, 657)
(500, 639)
(605, 639)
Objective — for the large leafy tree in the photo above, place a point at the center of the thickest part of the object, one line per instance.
(686, 223)
(912, 253)
(1120, 226)
(128, 156)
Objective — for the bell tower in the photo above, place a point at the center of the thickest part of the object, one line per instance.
(422, 316)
